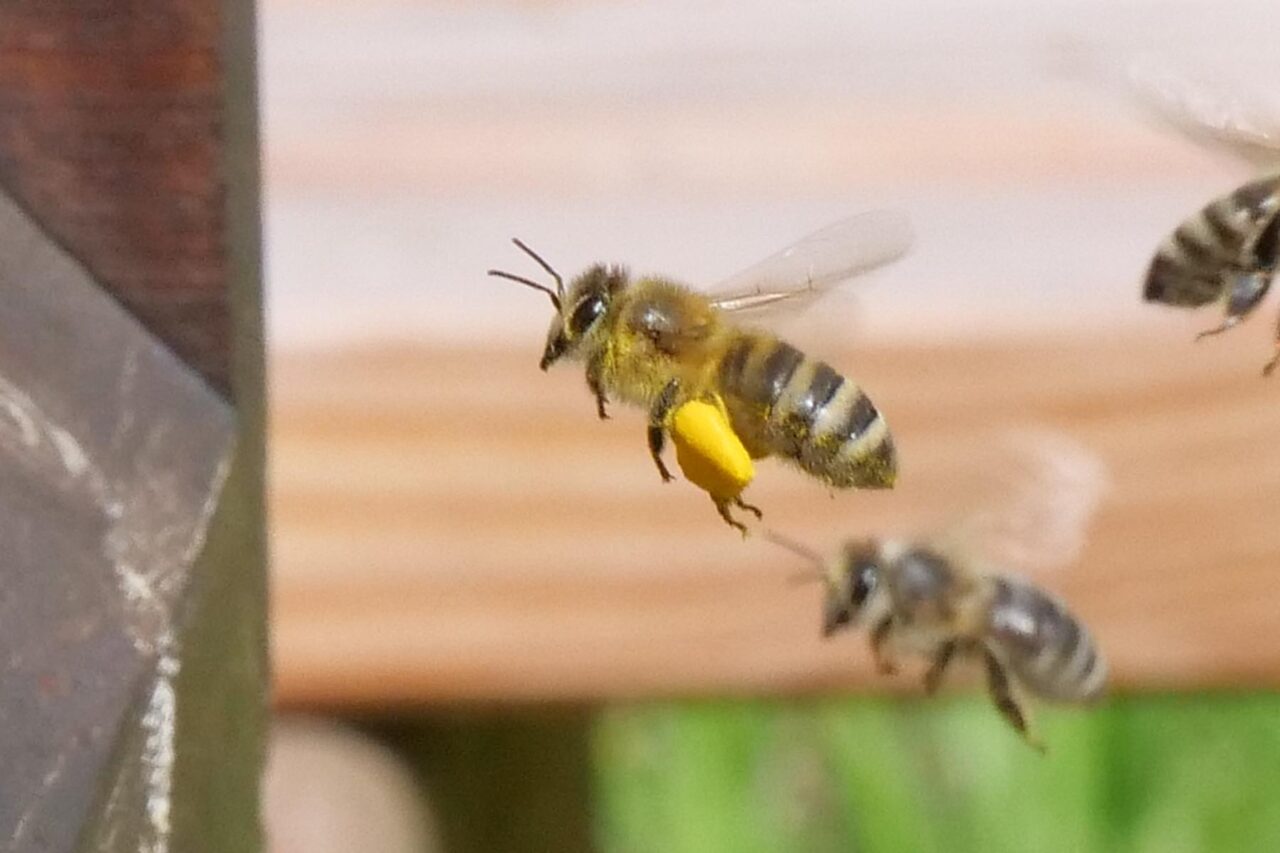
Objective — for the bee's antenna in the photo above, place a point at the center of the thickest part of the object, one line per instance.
(555, 299)
(546, 266)
(818, 573)
(805, 578)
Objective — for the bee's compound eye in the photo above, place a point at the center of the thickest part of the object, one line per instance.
(586, 313)
(864, 582)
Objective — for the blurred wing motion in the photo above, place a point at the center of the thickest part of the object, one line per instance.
(1227, 111)
(817, 263)
(1034, 498)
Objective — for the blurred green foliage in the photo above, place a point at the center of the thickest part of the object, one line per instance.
(1147, 775)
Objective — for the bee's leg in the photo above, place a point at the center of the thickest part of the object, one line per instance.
(933, 677)
(658, 440)
(754, 510)
(1244, 293)
(723, 508)
(1275, 359)
(1228, 322)
(658, 427)
(879, 634)
(1002, 695)
(596, 383)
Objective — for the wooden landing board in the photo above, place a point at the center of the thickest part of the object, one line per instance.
(457, 526)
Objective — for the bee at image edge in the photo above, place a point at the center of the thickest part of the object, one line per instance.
(1226, 253)
(659, 345)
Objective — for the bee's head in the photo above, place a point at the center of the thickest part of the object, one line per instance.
(578, 310)
(582, 312)
(851, 583)
(850, 579)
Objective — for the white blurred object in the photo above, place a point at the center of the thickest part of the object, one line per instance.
(331, 789)
(1033, 496)
(1228, 106)
(406, 142)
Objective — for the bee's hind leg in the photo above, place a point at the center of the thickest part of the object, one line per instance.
(1275, 359)
(938, 668)
(722, 507)
(879, 635)
(657, 432)
(1006, 703)
(1245, 291)
(1228, 322)
(754, 510)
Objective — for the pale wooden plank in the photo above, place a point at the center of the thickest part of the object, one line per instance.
(455, 525)
(708, 150)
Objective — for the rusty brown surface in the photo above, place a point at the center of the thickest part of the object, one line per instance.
(110, 137)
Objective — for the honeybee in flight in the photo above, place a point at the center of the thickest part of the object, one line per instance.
(946, 597)
(1228, 251)
(655, 343)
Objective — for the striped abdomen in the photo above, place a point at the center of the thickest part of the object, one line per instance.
(1205, 257)
(1042, 644)
(785, 404)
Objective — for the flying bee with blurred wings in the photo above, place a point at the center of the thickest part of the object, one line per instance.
(947, 597)
(729, 393)
(1227, 252)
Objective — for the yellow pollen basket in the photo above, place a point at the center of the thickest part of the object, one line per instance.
(708, 451)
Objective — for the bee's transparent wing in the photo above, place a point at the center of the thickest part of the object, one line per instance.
(1034, 496)
(815, 264)
(1227, 110)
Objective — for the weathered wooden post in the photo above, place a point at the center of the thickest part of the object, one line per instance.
(132, 570)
